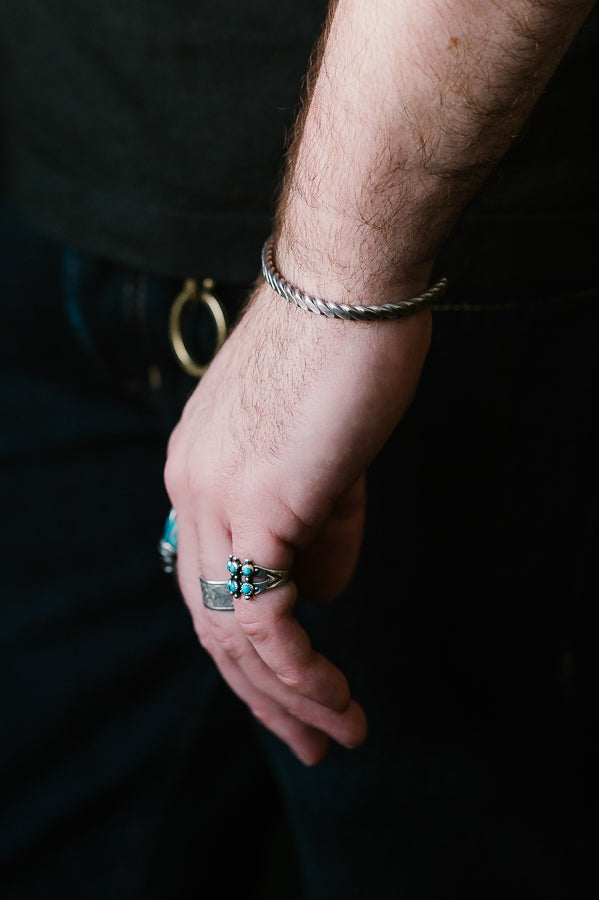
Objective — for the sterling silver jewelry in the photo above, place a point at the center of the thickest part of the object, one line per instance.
(246, 579)
(342, 310)
(216, 595)
(241, 581)
(168, 543)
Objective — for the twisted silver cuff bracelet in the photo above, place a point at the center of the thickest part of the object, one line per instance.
(342, 310)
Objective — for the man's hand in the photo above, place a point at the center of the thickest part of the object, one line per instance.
(410, 105)
(268, 462)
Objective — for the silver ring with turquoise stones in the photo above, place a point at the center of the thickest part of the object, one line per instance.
(246, 579)
(168, 543)
(242, 581)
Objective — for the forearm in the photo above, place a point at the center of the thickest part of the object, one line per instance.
(411, 105)
(414, 102)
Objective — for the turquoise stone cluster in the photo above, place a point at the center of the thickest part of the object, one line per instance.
(240, 577)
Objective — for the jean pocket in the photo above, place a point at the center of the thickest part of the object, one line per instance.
(107, 308)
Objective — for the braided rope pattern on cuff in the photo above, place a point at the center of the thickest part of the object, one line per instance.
(342, 310)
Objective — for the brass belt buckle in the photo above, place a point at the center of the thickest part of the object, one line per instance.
(204, 296)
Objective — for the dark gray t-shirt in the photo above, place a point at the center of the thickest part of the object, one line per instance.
(153, 133)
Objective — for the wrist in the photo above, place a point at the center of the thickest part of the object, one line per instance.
(355, 312)
(359, 353)
(359, 273)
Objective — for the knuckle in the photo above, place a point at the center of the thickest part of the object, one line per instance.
(257, 632)
(292, 678)
(207, 641)
(174, 441)
(229, 644)
(173, 472)
(204, 485)
(217, 639)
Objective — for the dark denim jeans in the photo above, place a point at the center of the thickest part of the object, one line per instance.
(130, 771)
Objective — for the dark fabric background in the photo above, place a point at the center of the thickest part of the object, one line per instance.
(153, 133)
(129, 769)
